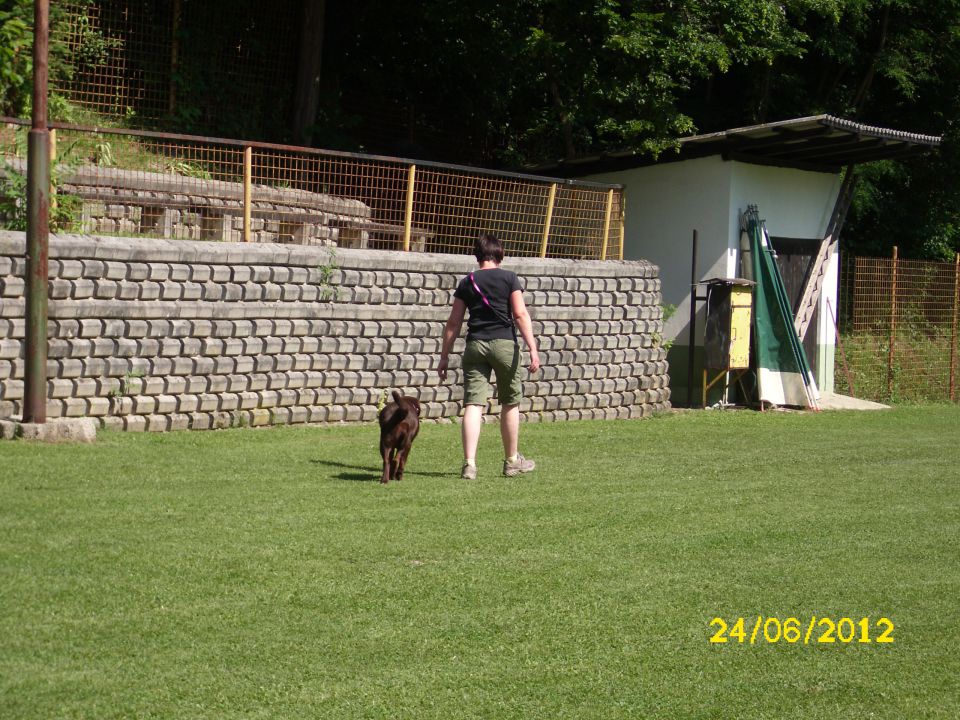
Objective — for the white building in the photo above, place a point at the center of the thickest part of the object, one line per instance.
(791, 170)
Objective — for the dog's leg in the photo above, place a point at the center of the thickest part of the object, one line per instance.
(396, 469)
(402, 458)
(385, 452)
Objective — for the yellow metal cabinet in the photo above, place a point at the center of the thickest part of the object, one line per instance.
(741, 303)
(726, 341)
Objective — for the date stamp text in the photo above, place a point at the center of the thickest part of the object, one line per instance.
(792, 630)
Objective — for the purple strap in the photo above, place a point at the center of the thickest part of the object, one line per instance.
(505, 318)
(480, 292)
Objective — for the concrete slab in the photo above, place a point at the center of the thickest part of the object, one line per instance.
(832, 401)
(53, 431)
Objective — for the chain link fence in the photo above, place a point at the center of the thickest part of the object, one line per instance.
(137, 183)
(898, 330)
(142, 61)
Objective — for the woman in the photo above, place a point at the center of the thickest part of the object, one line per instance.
(495, 299)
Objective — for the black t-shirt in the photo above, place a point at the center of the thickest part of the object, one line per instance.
(494, 322)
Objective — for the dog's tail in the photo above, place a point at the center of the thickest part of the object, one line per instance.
(391, 417)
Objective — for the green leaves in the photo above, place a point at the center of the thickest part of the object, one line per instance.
(15, 60)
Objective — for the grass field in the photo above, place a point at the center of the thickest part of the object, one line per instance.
(266, 574)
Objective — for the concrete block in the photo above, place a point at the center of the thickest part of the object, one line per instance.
(272, 292)
(195, 383)
(200, 421)
(165, 404)
(257, 273)
(191, 291)
(77, 430)
(169, 347)
(208, 402)
(13, 286)
(224, 365)
(135, 423)
(202, 365)
(221, 273)
(178, 421)
(150, 290)
(170, 290)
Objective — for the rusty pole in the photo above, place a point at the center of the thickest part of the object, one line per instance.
(38, 227)
(953, 332)
(893, 325)
(691, 343)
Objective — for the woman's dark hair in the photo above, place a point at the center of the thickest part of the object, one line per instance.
(488, 247)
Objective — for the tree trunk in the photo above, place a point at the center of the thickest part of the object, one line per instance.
(569, 149)
(306, 96)
(860, 100)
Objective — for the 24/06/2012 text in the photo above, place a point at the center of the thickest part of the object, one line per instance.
(791, 630)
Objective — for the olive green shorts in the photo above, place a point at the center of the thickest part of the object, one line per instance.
(480, 358)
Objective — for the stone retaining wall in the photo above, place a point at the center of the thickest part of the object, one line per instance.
(151, 334)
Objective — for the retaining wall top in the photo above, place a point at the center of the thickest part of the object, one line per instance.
(189, 251)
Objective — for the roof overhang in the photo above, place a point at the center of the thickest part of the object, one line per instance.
(822, 143)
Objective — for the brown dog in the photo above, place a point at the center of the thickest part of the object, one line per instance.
(399, 425)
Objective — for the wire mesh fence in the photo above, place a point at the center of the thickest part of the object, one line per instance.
(142, 61)
(123, 56)
(135, 183)
(898, 329)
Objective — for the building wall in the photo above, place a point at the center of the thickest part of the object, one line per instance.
(795, 204)
(149, 334)
(664, 203)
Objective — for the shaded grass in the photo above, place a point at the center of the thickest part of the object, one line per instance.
(265, 573)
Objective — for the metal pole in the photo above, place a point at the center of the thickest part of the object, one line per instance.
(893, 325)
(953, 334)
(247, 188)
(38, 227)
(551, 197)
(693, 320)
(623, 227)
(606, 225)
(408, 216)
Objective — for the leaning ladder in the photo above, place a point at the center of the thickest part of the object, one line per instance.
(814, 284)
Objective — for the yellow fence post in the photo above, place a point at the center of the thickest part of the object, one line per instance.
(408, 218)
(247, 187)
(551, 197)
(623, 227)
(606, 225)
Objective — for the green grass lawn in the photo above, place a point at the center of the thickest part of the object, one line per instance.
(267, 574)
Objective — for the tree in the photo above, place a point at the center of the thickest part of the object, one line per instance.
(306, 97)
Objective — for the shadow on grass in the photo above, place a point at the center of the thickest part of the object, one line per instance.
(368, 472)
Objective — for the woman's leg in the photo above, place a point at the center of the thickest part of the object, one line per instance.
(470, 430)
(510, 429)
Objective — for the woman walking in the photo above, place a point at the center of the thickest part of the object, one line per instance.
(494, 297)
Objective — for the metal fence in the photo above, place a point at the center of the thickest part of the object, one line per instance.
(128, 57)
(898, 330)
(135, 183)
(122, 56)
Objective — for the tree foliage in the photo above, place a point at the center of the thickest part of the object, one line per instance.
(16, 54)
(538, 80)
(508, 84)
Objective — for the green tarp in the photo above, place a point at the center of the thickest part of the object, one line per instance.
(783, 374)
